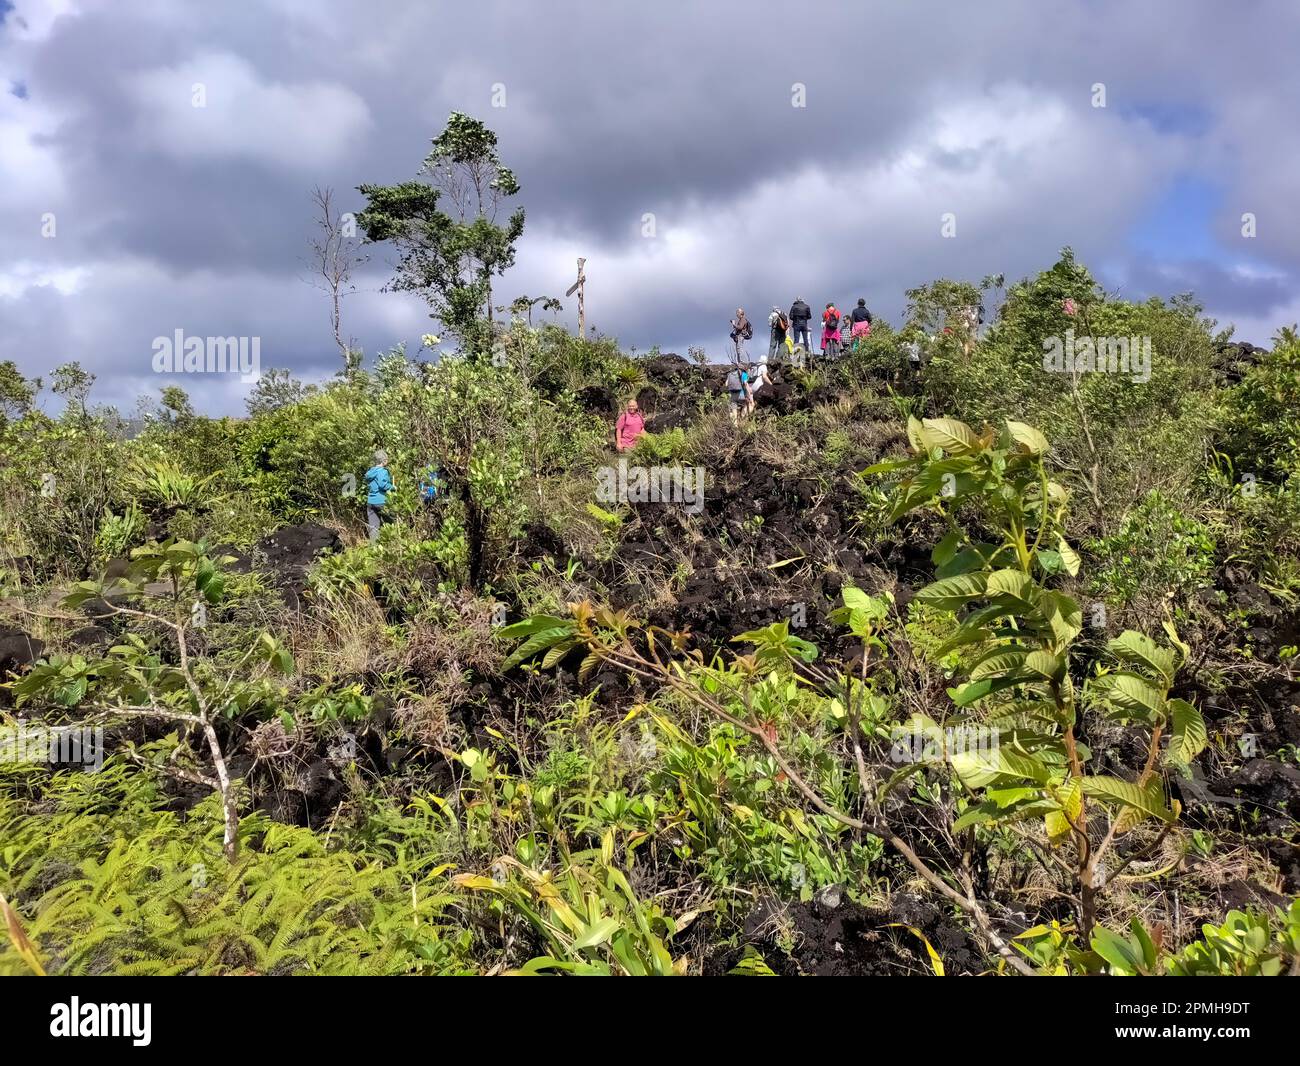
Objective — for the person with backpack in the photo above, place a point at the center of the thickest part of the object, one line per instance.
(780, 326)
(800, 316)
(379, 483)
(738, 391)
(831, 332)
(630, 426)
(741, 330)
(860, 330)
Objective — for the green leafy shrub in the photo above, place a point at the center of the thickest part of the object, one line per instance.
(1158, 554)
(105, 881)
(653, 448)
(1016, 633)
(1262, 428)
(117, 533)
(1247, 944)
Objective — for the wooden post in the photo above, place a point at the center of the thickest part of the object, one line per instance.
(577, 287)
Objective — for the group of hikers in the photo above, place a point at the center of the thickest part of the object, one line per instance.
(789, 333)
(379, 484)
(793, 330)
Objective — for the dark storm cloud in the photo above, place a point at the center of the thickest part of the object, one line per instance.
(171, 216)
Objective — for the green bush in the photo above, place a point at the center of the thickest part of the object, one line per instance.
(105, 880)
(1159, 556)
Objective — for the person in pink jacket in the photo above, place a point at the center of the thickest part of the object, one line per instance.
(831, 332)
(630, 425)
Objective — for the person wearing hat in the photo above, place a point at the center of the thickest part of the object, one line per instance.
(379, 484)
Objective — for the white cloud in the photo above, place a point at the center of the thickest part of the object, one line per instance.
(1010, 164)
(17, 278)
(754, 202)
(32, 20)
(298, 126)
(30, 173)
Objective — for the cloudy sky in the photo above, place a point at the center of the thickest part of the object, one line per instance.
(128, 213)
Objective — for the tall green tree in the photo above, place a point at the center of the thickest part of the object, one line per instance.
(16, 391)
(445, 227)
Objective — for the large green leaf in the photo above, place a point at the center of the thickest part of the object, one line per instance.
(952, 593)
(887, 467)
(914, 428)
(541, 641)
(965, 695)
(1062, 615)
(1029, 438)
(975, 557)
(1149, 800)
(1005, 659)
(1013, 583)
(992, 811)
(980, 767)
(954, 437)
(528, 626)
(1140, 650)
(946, 548)
(1189, 736)
(1128, 695)
(1069, 557)
(1045, 664)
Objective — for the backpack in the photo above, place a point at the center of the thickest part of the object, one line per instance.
(748, 331)
(782, 323)
(832, 321)
(733, 381)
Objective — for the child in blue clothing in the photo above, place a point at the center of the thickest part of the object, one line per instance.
(379, 484)
(430, 486)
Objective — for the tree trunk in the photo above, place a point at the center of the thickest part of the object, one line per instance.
(475, 535)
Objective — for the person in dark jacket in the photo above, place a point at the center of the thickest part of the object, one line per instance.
(800, 316)
(861, 328)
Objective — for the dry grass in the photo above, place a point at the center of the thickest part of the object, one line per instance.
(713, 441)
(438, 660)
(343, 639)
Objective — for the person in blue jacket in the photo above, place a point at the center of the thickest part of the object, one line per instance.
(378, 484)
(430, 485)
